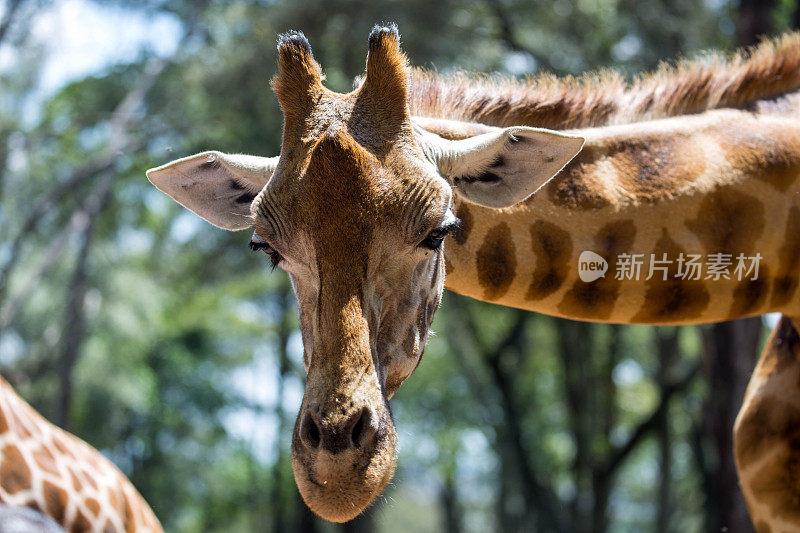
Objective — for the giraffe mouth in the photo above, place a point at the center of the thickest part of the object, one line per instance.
(339, 485)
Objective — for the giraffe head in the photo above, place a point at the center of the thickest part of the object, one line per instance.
(355, 210)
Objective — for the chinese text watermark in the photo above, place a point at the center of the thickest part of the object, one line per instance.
(714, 267)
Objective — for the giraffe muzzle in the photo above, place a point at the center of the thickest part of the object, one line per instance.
(343, 455)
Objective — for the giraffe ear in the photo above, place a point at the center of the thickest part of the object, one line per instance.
(504, 167)
(218, 187)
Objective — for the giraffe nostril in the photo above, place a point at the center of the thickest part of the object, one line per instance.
(360, 430)
(309, 432)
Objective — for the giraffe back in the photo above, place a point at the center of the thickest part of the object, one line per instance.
(47, 469)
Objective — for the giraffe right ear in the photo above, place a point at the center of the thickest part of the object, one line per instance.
(218, 187)
(503, 167)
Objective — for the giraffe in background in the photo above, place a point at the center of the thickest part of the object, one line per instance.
(47, 469)
(697, 159)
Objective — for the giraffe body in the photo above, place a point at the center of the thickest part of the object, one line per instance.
(698, 159)
(47, 469)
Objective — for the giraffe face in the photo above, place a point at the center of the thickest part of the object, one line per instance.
(355, 210)
(363, 249)
(347, 229)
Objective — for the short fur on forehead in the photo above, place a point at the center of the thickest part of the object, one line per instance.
(337, 155)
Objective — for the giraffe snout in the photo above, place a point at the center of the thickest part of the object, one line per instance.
(343, 454)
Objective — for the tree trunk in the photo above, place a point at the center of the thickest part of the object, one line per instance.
(448, 496)
(549, 513)
(754, 20)
(8, 17)
(307, 522)
(74, 316)
(576, 351)
(606, 399)
(667, 343)
(796, 17)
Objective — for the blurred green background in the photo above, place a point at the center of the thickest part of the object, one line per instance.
(166, 344)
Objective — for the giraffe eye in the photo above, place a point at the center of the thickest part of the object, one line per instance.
(435, 238)
(257, 242)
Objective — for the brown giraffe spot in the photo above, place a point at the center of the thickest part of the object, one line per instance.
(61, 446)
(781, 350)
(762, 527)
(787, 275)
(651, 168)
(574, 187)
(596, 299)
(766, 423)
(76, 484)
(93, 506)
(87, 478)
(130, 517)
(750, 294)
(20, 426)
(46, 461)
(776, 484)
(728, 221)
(779, 173)
(410, 342)
(3, 422)
(15, 475)
(461, 233)
(55, 499)
(552, 248)
(113, 499)
(80, 524)
(671, 299)
(496, 262)
(773, 159)
(108, 527)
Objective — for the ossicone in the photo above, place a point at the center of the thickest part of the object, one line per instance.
(299, 76)
(386, 79)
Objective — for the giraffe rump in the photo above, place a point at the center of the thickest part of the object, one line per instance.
(713, 80)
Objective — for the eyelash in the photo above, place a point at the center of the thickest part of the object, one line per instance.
(435, 238)
(274, 257)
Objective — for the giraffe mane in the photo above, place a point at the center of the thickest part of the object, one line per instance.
(710, 81)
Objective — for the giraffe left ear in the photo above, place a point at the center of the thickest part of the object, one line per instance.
(504, 167)
(219, 187)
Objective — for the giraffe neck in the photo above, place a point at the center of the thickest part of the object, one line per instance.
(49, 470)
(720, 182)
